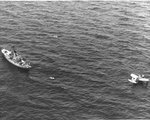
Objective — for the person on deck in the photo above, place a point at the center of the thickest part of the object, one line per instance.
(14, 51)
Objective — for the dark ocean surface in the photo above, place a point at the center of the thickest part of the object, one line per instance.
(82, 55)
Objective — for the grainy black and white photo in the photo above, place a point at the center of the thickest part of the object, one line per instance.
(75, 60)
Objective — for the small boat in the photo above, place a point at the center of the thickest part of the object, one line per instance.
(9, 56)
(138, 78)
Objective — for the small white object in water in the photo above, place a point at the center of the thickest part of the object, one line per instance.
(52, 78)
(54, 36)
(136, 78)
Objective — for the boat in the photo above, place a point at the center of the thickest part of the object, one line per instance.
(13, 60)
(138, 78)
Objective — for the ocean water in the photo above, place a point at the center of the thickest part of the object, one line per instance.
(82, 55)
